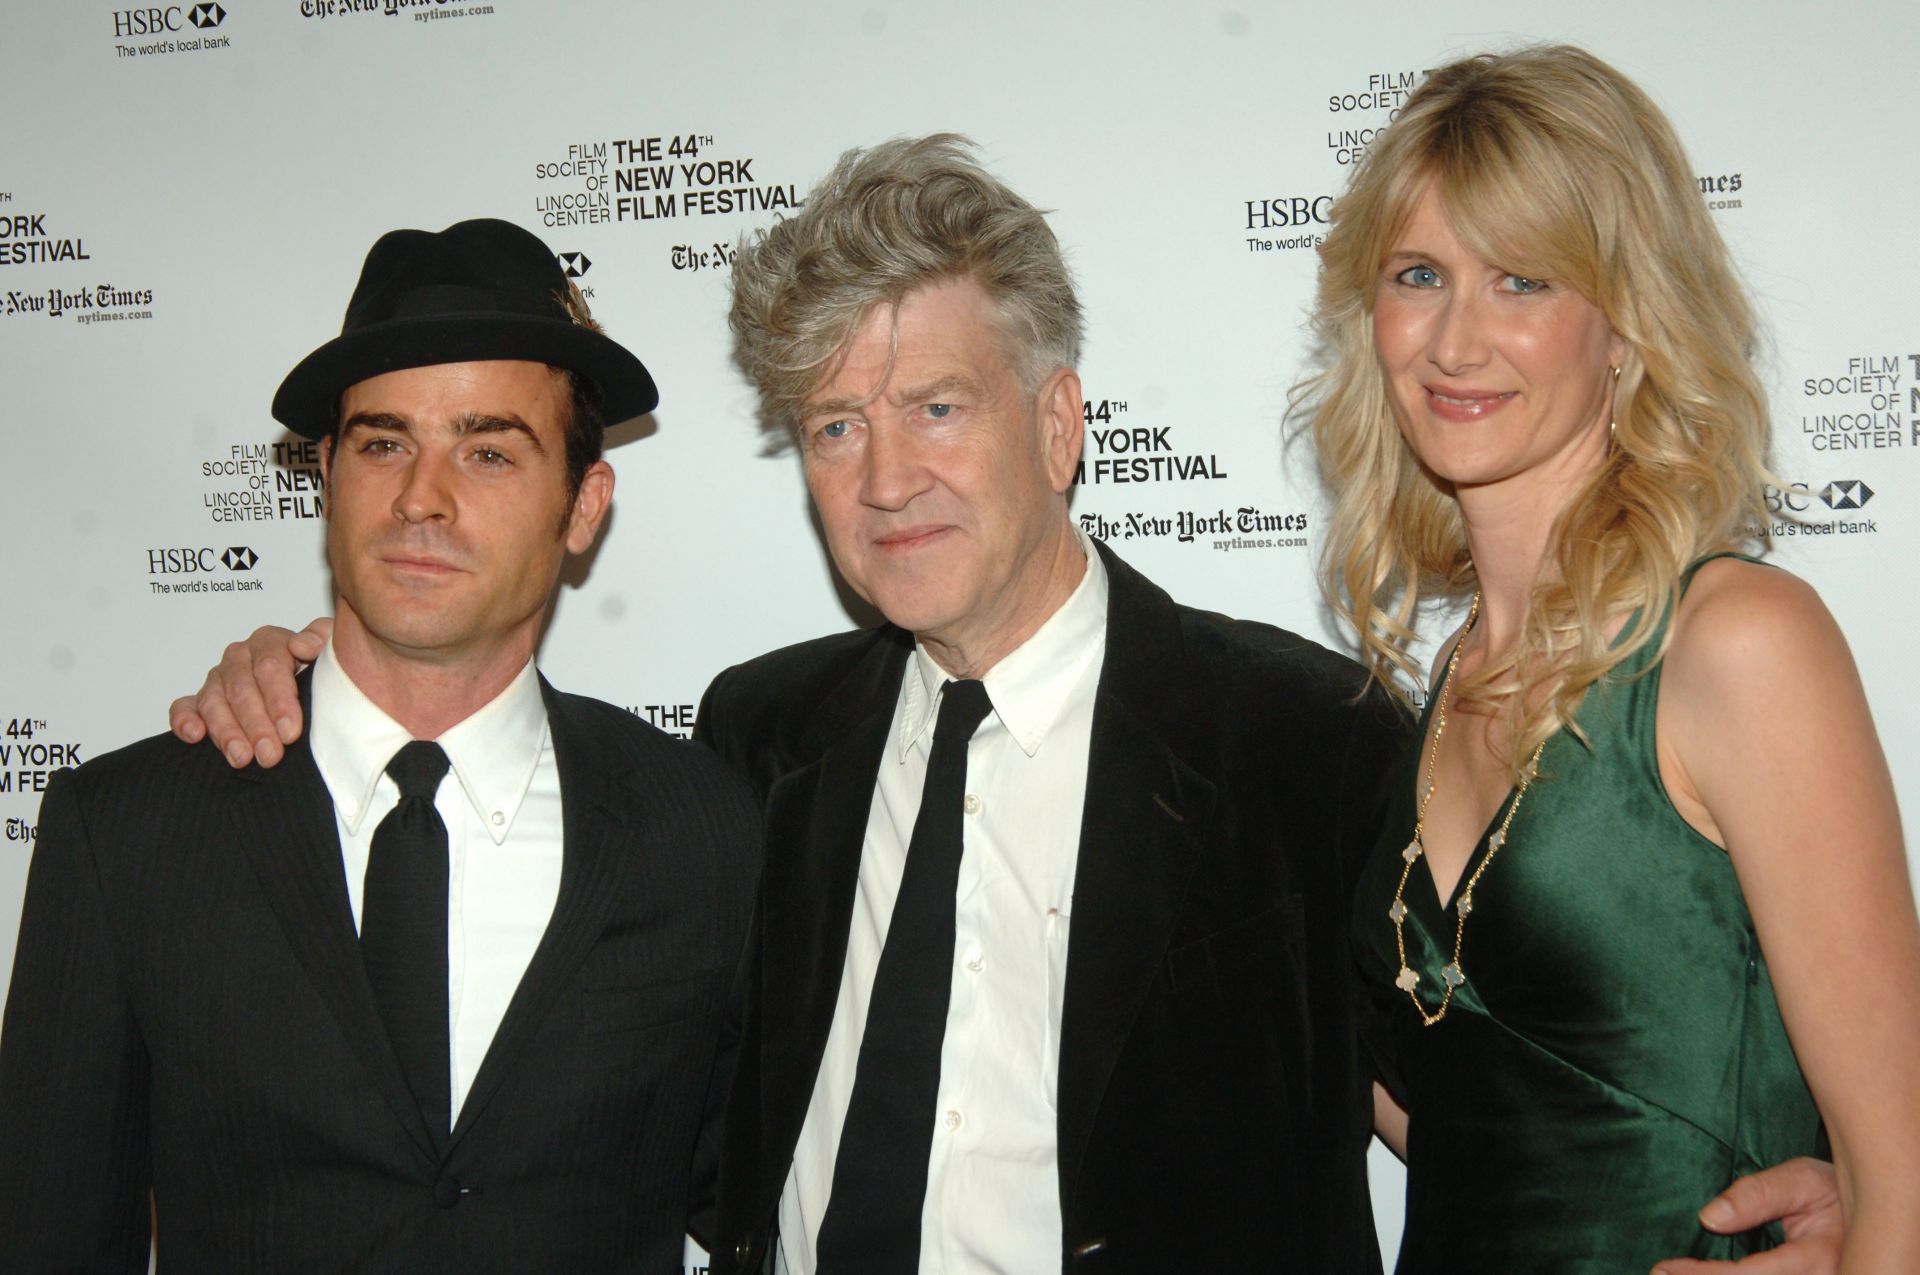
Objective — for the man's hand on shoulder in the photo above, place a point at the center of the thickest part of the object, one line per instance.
(1803, 1195)
(249, 706)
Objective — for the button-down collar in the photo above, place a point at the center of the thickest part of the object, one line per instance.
(1031, 684)
(493, 751)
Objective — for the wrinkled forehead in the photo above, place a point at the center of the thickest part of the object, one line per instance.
(942, 332)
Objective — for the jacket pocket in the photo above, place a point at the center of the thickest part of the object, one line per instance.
(1263, 942)
(610, 1010)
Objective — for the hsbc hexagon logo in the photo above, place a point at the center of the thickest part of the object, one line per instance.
(1848, 493)
(206, 16)
(574, 264)
(240, 558)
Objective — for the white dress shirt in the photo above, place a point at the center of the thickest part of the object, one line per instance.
(993, 1191)
(503, 836)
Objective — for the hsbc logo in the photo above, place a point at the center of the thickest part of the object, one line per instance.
(1294, 211)
(187, 561)
(159, 21)
(128, 22)
(574, 264)
(1842, 494)
(1848, 494)
(1795, 510)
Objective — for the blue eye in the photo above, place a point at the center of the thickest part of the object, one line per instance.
(835, 429)
(939, 411)
(1522, 284)
(1419, 277)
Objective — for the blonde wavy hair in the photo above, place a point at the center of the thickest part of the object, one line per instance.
(1553, 165)
(886, 221)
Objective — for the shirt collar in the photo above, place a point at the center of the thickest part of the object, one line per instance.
(493, 752)
(1031, 685)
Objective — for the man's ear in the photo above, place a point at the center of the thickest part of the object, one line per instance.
(590, 505)
(1061, 414)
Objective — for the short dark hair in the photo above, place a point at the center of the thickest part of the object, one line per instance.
(586, 428)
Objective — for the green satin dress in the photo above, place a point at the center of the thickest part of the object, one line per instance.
(1615, 1056)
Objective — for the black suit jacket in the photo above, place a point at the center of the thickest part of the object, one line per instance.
(1213, 1104)
(189, 1013)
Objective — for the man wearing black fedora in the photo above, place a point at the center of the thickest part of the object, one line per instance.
(442, 991)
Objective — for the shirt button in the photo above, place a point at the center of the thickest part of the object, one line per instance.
(952, 1121)
(975, 961)
(499, 817)
(972, 804)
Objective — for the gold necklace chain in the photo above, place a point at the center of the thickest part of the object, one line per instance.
(1451, 974)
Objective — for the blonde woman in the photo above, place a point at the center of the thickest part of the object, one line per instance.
(1642, 921)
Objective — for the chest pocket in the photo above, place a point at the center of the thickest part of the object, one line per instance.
(1257, 946)
(628, 1024)
(656, 1004)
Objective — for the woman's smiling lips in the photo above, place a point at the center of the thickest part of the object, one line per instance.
(1455, 403)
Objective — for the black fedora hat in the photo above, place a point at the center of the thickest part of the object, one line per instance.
(478, 290)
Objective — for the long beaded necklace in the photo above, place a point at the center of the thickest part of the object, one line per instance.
(1451, 974)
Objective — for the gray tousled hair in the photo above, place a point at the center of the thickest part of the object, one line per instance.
(886, 221)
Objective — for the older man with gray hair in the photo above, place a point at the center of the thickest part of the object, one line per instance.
(1068, 986)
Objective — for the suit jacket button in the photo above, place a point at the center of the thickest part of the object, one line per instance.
(743, 1249)
(1083, 1251)
(446, 1192)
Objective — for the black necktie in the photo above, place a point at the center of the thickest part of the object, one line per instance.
(403, 930)
(872, 1224)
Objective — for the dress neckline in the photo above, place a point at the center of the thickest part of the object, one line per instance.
(1429, 882)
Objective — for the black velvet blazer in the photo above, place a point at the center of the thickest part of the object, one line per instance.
(1213, 1103)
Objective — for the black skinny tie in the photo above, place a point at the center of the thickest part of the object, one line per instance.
(872, 1225)
(403, 930)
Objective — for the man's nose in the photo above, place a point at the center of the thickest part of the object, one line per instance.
(893, 471)
(427, 495)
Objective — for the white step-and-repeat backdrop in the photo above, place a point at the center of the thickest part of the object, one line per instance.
(186, 193)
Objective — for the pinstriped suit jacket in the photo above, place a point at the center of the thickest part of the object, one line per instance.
(189, 1016)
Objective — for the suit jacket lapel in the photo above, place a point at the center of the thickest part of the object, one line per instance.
(287, 827)
(597, 855)
(816, 827)
(1141, 833)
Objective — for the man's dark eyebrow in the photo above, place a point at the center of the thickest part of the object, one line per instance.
(385, 421)
(483, 423)
(464, 425)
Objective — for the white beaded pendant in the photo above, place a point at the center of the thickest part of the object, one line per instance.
(1407, 980)
(1412, 851)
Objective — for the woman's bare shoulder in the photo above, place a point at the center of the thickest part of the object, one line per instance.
(1746, 624)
